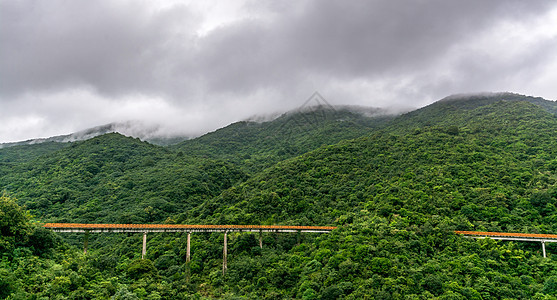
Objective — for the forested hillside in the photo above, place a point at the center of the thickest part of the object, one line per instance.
(457, 110)
(396, 189)
(115, 179)
(257, 145)
(16, 155)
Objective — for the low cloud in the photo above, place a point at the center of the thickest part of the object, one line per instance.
(190, 67)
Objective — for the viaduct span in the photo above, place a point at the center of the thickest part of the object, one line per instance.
(189, 229)
(509, 236)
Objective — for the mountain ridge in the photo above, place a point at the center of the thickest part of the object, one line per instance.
(153, 134)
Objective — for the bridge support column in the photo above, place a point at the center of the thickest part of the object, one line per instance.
(224, 252)
(85, 242)
(260, 239)
(188, 248)
(144, 250)
(543, 248)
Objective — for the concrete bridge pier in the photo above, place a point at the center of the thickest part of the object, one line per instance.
(188, 257)
(224, 253)
(543, 248)
(144, 250)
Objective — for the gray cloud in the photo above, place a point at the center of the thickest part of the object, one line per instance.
(112, 48)
(153, 61)
(349, 39)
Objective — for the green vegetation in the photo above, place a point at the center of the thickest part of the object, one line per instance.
(255, 146)
(115, 179)
(24, 153)
(397, 190)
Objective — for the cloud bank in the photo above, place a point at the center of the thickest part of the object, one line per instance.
(190, 67)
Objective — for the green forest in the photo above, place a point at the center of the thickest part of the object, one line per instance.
(397, 187)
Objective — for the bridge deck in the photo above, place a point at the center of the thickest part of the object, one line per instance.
(528, 237)
(73, 227)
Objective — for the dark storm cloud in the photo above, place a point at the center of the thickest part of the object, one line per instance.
(126, 47)
(269, 55)
(347, 39)
(113, 47)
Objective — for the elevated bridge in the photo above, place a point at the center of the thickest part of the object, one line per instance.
(508, 236)
(189, 229)
(72, 227)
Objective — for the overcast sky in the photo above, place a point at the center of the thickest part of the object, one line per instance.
(194, 66)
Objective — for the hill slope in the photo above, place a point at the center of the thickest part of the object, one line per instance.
(23, 153)
(258, 145)
(111, 178)
(396, 193)
(115, 179)
(507, 152)
(149, 133)
(451, 110)
(398, 198)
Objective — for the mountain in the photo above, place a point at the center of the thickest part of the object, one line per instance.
(456, 110)
(398, 198)
(134, 129)
(112, 178)
(318, 114)
(397, 188)
(115, 179)
(510, 145)
(257, 145)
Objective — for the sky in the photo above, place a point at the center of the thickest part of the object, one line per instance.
(189, 67)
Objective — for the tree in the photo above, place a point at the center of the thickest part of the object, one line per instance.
(550, 286)
(14, 227)
(140, 268)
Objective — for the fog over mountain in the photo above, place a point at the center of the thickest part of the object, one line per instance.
(134, 129)
(189, 67)
(155, 134)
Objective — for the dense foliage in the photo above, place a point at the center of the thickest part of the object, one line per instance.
(396, 195)
(23, 153)
(257, 145)
(115, 179)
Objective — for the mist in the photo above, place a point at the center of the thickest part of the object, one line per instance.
(184, 68)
